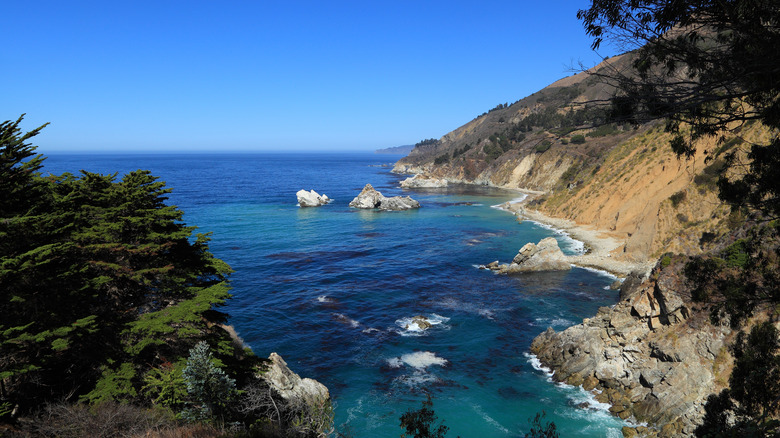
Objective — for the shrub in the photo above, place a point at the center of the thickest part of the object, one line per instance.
(492, 150)
(578, 139)
(677, 198)
(418, 424)
(543, 146)
(603, 131)
(209, 386)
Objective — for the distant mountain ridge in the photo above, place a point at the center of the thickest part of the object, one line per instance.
(405, 149)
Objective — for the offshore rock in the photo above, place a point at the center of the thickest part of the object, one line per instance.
(311, 198)
(370, 198)
(650, 356)
(290, 386)
(423, 181)
(544, 256)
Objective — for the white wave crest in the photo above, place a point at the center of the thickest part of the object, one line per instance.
(410, 326)
(419, 360)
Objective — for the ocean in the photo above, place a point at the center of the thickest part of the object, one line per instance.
(333, 289)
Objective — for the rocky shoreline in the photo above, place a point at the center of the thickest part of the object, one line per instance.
(603, 251)
(653, 357)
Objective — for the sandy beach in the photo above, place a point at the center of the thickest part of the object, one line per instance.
(602, 248)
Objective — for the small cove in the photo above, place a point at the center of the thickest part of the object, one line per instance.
(326, 288)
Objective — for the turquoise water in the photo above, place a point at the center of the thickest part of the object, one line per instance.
(332, 289)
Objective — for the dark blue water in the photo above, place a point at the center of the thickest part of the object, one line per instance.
(332, 288)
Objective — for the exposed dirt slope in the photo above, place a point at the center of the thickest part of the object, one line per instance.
(623, 180)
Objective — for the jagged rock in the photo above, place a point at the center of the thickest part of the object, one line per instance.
(311, 198)
(423, 181)
(643, 354)
(370, 198)
(421, 321)
(290, 386)
(544, 256)
(399, 203)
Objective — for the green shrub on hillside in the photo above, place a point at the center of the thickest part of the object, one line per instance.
(543, 146)
(577, 139)
(677, 198)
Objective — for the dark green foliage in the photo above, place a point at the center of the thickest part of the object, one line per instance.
(577, 139)
(544, 146)
(208, 386)
(422, 422)
(570, 173)
(604, 130)
(492, 150)
(744, 276)
(461, 151)
(427, 142)
(715, 72)
(540, 429)
(441, 159)
(677, 198)
(752, 399)
(666, 260)
(99, 280)
(710, 174)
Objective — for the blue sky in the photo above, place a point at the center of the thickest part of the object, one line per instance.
(282, 75)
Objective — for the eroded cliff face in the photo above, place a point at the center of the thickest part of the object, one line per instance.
(653, 356)
(623, 180)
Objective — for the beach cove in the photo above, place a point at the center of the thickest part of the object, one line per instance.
(334, 290)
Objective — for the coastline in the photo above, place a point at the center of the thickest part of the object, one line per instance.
(601, 247)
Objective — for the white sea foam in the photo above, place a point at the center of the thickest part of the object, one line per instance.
(490, 420)
(417, 378)
(324, 299)
(454, 304)
(347, 320)
(594, 409)
(564, 238)
(419, 360)
(537, 365)
(554, 322)
(502, 206)
(410, 327)
(600, 272)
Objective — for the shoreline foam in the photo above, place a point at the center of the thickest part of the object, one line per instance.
(600, 246)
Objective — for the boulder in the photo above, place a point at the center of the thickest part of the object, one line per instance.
(311, 198)
(423, 181)
(370, 198)
(544, 256)
(422, 322)
(290, 386)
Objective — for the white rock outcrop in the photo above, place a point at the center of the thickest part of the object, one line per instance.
(535, 257)
(370, 198)
(311, 198)
(423, 181)
(290, 386)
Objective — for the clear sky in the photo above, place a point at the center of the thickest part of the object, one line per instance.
(275, 75)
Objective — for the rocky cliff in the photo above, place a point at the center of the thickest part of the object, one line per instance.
(624, 180)
(653, 356)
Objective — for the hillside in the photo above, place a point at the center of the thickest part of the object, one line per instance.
(620, 179)
(661, 356)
